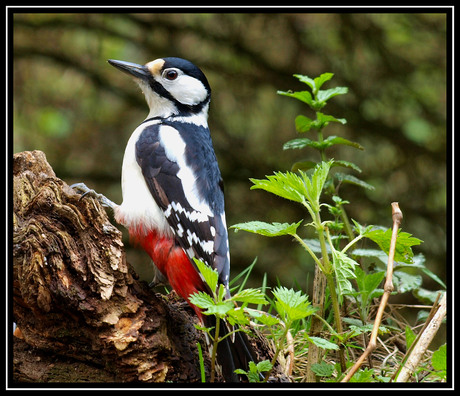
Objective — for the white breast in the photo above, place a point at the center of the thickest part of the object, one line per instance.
(138, 209)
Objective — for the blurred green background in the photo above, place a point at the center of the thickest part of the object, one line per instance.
(69, 103)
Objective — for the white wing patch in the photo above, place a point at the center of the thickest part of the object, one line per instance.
(174, 147)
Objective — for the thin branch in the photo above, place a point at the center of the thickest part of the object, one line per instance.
(388, 288)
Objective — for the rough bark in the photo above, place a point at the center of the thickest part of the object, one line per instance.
(77, 301)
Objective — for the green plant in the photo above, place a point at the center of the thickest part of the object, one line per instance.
(334, 250)
(224, 309)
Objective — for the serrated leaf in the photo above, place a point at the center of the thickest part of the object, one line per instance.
(405, 282)
(376, 253)
(292, 305)
(314, 186)
(439, 358)
(323, 119)
(209, 274)
(426, 296)
(410, 336)
(331, 140)
(404, 242)
(303, 124)
(344, 178)
(319, 81)
(347, 164)
(367, 328)
(418, 261)
(209, 306)
(286, 185)
(264, 365)
(264, 318)
(315, 84)
(268, 229)
(202, 300)
(344, 268)
(303, 166)
(323, 369)
(306, 80)
(367, 283)
(303, 96)
(300, 143)
(237, 316)
(322, 343)
(250, 296)
(324, 95)
(363, 375)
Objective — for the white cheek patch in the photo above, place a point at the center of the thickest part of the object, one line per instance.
(186, 90)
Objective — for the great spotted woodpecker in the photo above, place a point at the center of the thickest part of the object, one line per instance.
(173, 199)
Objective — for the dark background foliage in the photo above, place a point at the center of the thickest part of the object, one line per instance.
(69, 103)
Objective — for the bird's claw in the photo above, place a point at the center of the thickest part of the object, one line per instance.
(84, 190)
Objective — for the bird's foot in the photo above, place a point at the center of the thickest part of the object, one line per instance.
(102, 199)
(158, 279)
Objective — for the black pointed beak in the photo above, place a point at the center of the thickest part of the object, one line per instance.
(138, 71)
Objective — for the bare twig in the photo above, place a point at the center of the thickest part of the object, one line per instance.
(420, 345)
(388, 288)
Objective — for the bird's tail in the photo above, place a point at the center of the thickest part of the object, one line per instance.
(234, 352)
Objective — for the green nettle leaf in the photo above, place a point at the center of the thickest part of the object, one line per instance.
(322, 343)
(344, 268)
(292, 305)
(344, 178)
(303, 124)
(368, 283)
(347, 164)
(264, 365)
(439, 358)
(286, 185)
(410, 336)
(202, 300)
(405, 282)
(315, 84)
(323, 369)
(210, 275)
(314, 187)
(250, 296)
(263, 317)
(363, 375)
(331, 140)
(237, 316)
(324, 119)
(307, 80)
(303, 96)
(301, 143)
(303, 166)
(404, 242)
(268, 229)
(324, 96)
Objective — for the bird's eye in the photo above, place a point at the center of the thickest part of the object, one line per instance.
(171, 74)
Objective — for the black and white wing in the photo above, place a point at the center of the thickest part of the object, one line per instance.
(181, 171)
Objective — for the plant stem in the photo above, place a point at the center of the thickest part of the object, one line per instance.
(346, 223)
(279, 347)
(214, 349)
(320, 140)
(307, 248)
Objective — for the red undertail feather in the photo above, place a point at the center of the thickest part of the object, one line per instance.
(172, 261)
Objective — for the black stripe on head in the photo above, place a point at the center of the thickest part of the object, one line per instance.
(189, 69)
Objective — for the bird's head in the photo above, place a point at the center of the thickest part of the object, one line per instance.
(172, 86)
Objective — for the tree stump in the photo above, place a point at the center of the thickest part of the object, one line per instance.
(76, 300)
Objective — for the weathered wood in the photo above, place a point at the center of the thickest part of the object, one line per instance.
(75, 297)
